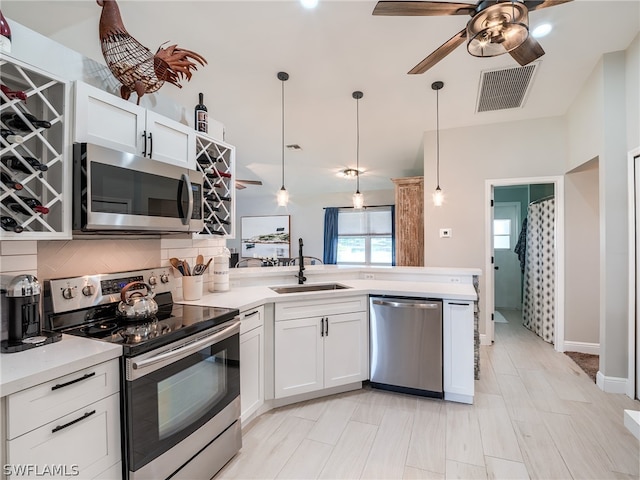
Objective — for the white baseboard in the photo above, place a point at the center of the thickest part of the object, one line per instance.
(611, 384)
(632, 422)
(582, 347)
(484, 340)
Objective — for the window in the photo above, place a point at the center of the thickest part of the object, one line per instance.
(502, 234)
(364, 236)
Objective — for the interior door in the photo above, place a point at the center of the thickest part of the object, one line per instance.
(508, 279)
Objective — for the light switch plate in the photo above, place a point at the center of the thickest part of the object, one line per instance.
(445, 233)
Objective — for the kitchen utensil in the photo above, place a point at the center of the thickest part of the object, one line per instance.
(177, 264)
(136, 305)
(199, 260)
(187, 269)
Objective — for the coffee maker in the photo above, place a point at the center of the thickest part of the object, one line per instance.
(21, 316)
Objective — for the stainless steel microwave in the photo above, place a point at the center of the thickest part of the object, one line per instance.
(116, 192)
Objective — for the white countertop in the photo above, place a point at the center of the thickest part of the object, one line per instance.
(248, 297)
(22, 370)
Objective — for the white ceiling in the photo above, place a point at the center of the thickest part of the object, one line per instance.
(329, 52)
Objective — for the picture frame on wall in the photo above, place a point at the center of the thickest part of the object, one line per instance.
(265, 236)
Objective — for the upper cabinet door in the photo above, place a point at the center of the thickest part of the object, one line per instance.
(112, 122)
(170, 141)
(107, 120)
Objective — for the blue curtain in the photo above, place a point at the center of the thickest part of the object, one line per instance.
(393, 235)
(330, 235)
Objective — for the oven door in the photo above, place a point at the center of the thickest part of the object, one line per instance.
(124, 192)
(173, 391)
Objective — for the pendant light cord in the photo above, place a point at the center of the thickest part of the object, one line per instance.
(282, 133)
(358, 145)
(438, 138)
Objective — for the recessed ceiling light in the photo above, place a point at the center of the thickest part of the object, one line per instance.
(541, 30)
(309, 3)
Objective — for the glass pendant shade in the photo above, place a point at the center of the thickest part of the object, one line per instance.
(498, 29)
(438, 197)
(283, 197)
(358, 200)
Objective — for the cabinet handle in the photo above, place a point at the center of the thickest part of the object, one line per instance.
(144, 136)
(150, 145)
(322, 327)
(60, 427)
(326, 329)
(247, 315)
(460, 304)
(71, 382)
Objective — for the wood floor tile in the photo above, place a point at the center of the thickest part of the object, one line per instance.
(540, 454)
(496, 429)
(463, 439)
(307, 461)
(517, 399)
(464, 471)
(411, 473)
(428, 437)
(350, 454)
(333, 420)
(498, 468)
(388, 453)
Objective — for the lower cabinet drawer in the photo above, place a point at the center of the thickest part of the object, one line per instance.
(44, 403)
(321, 306)
(82, 444)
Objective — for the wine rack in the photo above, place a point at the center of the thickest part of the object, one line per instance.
(45, 98)
(216, 161)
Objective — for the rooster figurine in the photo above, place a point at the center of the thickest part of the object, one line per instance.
(133, 64)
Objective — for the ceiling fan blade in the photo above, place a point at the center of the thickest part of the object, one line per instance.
(537, 5)
(527, 52)
(423, 8)
(240, 186)
(442, 51)
(250, 182)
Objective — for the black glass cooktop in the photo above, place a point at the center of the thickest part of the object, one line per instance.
(172, 322)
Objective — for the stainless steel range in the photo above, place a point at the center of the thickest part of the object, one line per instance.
(180, 369)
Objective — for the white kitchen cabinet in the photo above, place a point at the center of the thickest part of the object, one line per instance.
(316, 352)
(110, 121)
(251, 362)
(457, 349)
(71, 424)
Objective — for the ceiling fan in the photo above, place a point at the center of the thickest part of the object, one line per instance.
(496, 27)
(242, 184)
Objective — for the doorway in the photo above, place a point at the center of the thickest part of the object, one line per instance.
(633, 382)
(506, 291)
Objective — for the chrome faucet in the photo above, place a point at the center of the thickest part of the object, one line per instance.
(301, 277)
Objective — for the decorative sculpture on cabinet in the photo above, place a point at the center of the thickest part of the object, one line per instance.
(133, 64)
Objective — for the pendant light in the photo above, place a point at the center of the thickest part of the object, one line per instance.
(438, 196)
(283, 195)
(358, 198)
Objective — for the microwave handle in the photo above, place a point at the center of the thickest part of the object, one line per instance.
(186, 181)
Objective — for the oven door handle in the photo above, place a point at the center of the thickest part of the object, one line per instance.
(189, 348)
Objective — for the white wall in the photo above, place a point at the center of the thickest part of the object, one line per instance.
(306, 213)
(633, 93)
(469, 156)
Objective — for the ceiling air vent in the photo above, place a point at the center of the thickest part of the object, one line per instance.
(505, 88)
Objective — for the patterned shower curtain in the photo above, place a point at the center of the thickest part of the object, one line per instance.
(538, 310)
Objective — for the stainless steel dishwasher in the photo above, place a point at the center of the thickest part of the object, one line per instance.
(406, 345)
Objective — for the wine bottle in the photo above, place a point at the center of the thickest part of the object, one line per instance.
(212, 208)
(202, 116)
(224, 198)
(222, 220)
(14, 163)
(13, 94)
(10, 182)
(33, 203)
(10, 225)
(13, 120)
(10, 136)
(213, 173)
(5, 35)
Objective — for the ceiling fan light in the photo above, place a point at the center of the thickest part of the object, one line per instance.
(283, 197)
(358, 200)
(498, 29)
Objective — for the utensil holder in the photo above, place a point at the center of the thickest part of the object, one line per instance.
(192, 287)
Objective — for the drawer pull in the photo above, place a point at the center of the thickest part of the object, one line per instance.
(60, 427)
(71, 382)
(459, 304)
(247, 315)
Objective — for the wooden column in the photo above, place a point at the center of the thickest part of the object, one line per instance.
(409, 221)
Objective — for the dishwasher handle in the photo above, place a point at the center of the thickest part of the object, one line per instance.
(391, 303)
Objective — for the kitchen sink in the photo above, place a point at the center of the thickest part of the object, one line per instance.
(309, 288)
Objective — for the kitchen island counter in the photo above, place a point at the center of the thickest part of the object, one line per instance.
(26, 369)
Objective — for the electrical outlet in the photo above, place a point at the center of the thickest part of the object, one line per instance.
(445, 233)
(369, 276)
